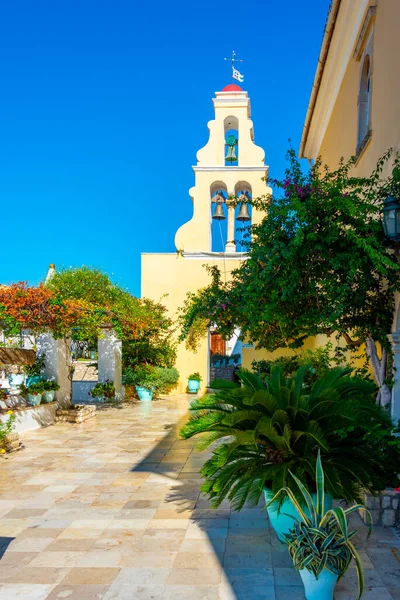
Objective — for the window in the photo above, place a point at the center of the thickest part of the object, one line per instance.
(363, 54)
(364, 103)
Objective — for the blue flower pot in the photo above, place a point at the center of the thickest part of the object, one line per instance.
(48, 396)
(34, 399)
(281, 522)
(193, 386)
(33, 379)
(318, 589)
(144, 394)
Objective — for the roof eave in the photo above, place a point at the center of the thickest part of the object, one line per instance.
(326, 42)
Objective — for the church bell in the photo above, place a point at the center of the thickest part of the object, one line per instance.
(243, 213)
(231, 154)
(218, 212)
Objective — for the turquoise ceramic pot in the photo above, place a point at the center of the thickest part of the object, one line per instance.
(143, 393)
(283, 523)
(193, 386)
(318, 589)
(48, 396)
(33, 379)
(34, 399)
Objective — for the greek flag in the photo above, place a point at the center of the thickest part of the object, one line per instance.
(237, 75)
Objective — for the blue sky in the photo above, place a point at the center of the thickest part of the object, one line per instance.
(104, 104)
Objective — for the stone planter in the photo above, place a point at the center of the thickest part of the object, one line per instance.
(10, 443)
(384, 508)
(76, 414)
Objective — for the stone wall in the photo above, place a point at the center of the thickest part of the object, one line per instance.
(224, 372)
(384, 508)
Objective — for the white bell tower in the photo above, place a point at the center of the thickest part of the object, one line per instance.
(230, 164)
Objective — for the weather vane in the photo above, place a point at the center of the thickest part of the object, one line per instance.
(235, 73)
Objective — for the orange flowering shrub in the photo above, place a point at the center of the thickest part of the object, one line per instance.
(79, 303)
(40, 309)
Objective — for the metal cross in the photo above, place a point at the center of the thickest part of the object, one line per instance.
(233, 60)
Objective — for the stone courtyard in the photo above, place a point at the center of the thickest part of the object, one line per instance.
(111, 509)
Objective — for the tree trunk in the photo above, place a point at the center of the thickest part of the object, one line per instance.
(379, 367)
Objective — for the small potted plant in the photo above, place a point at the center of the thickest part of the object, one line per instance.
(50, 388)
(319, 543)
(3, 394)
(34, 372)
(145, 379)
(194, 383)
(33, 393)
(103, 391)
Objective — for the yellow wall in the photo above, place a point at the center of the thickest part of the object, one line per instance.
(250, 354)
(340, 138)
(175, 275)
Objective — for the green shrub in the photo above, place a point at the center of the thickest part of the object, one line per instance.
(6, 427)
(319, 361)
(159, 379)
(50, 386)
(106, 389)
(37, 368)
(166, 379)
(34, 389)
(270, 428)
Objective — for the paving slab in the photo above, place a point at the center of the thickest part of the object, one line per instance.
(111, 509)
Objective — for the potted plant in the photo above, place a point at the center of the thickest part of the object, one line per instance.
(103, 391)
(319, 540)
(149, 380)
(194, 383)
(3, 394)
(50, 388)
(145, 379)
(271, 428)
(34, 372)
(33, 393)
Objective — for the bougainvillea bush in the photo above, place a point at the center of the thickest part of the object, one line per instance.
(318, 263)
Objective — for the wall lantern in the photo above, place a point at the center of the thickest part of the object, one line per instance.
(391, 219)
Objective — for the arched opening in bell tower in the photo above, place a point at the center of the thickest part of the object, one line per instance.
(231, 139)
(243, 214)
(218, 216)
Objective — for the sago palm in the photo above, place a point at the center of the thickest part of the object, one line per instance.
(265, 430)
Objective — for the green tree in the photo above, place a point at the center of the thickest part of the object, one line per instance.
(317, 264)
(143, 325)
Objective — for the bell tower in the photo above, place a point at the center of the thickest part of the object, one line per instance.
(229, 166)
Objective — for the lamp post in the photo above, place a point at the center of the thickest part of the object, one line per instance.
(391, 219)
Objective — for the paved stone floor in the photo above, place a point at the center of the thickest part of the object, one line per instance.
(110, 509)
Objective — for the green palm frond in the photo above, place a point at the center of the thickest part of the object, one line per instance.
(266, 428)
(251, 380)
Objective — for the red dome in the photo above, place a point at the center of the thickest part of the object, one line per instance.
(232, 87)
